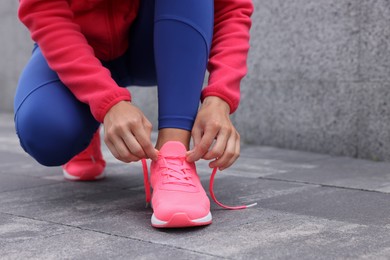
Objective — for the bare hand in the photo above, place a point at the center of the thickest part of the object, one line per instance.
(127, 133)
(213, 123)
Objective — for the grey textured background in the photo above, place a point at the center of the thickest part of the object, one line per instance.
(319, 75)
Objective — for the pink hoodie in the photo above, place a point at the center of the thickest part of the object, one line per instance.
(75, 34)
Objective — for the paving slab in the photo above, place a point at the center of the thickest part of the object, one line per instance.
(16, 229)
(304, 167)
(310, 206)
(84, 244)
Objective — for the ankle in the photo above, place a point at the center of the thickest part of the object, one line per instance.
(173, 134)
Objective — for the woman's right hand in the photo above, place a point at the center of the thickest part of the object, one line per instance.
(127, 133)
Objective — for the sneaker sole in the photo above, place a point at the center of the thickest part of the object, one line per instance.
(180, 220)
(75, 178)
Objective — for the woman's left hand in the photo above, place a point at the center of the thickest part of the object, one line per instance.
(213, 124)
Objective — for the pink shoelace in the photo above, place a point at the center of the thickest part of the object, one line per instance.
(176, 172)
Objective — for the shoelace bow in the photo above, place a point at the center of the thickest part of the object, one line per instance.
(181, 177)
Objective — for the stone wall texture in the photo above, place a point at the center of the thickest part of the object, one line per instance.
(318, 79)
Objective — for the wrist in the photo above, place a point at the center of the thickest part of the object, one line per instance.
(218, 102)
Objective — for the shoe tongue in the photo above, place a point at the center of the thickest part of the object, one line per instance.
(173, 148)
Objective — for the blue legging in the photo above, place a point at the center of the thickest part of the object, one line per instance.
(169, 47)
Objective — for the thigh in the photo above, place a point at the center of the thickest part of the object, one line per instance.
(51, 123)
(140, 54)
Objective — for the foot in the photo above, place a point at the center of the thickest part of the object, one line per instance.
(88, 165)
(179, 199)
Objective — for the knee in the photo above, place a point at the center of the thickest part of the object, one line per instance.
(48, 138)
(46, 141)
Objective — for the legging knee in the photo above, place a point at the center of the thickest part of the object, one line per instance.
(52, 126)
(49, 142)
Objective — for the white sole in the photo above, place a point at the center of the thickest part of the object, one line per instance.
(187, 223)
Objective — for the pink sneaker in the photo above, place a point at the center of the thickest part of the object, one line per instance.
(88, 165)
(179, 199)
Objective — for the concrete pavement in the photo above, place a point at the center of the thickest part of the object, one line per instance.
(310, 206)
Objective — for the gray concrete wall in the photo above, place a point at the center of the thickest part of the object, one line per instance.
(319, 75)
(14, 52)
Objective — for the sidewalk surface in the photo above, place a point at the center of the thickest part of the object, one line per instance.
(310, 206)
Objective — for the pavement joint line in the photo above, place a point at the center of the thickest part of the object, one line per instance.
(58, 183)
(326, 157)
(42, 237)
(355, 81)
(322, 185)
(111, 234)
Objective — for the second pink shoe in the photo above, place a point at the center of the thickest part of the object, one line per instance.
(88, 165)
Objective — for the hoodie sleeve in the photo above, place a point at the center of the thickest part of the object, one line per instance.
(229, 50)
(69, 54)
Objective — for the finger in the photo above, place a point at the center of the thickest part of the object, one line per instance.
(226, 156)
(234, 158)
(219, 146)
(143, 148)
(132, 145)
(112, 148)
(229, 156)
(120, 151)
(143, 138)
(125, 154)
(196, 137)
(203, 147)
